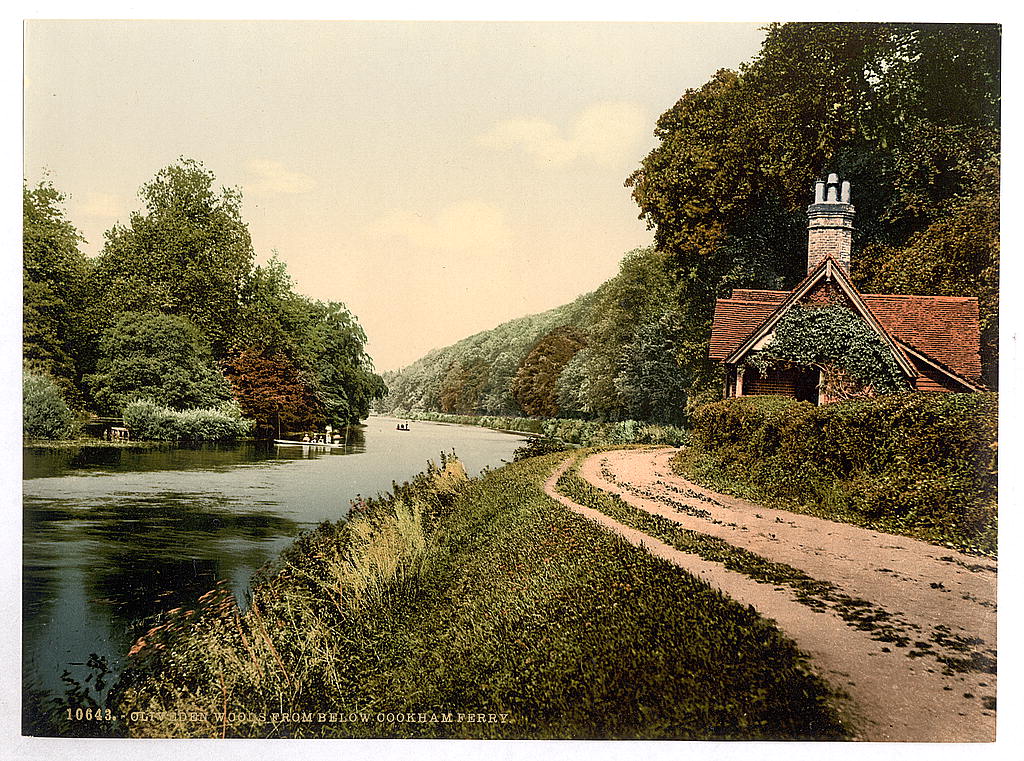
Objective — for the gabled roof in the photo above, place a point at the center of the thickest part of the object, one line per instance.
(738, 318)
(944, 329)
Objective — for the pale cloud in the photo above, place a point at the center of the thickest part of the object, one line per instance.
(606, 133)
(461, 226)
(273, 177)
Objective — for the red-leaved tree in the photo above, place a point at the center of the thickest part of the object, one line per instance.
(273, 391)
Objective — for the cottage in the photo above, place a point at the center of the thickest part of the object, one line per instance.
(934, 340)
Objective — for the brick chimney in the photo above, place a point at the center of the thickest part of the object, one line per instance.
(830, 223)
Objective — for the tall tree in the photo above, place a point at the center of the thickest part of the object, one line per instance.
(333, 349)
(155, 356)
(534, 388)
(56, 337)
(273, 392)
(908, 113)
(188, 252)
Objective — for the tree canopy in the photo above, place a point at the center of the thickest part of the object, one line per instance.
(908, 113)
(56, 329)
(159, 357)
(174, 299)
(188, 253)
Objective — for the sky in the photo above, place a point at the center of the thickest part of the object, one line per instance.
(438, 178)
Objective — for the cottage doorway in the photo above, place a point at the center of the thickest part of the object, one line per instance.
(806, 384)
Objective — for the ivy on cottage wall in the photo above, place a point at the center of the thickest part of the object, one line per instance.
(853, 359)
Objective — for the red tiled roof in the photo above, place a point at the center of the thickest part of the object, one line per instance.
(748, 294)
(735, 320)
(943, 328)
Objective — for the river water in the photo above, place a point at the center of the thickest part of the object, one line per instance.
(114, 535)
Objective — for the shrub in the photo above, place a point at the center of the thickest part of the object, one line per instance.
(150, 421)
(917, 463)
(537, 446)
(45, 414)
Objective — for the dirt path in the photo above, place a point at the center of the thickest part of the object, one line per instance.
(934, 683)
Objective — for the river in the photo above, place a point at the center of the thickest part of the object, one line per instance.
(114, 535)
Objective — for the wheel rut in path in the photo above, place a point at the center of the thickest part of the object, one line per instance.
(926, 673)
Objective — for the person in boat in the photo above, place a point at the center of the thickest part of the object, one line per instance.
(305, 437)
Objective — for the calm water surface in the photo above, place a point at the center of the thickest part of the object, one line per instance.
(114, 535)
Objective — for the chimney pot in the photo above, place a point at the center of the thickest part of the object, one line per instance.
(819, 192)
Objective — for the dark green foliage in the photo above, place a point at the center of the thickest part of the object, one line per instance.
(538, 446)
(957, 255)
(651, 383)
(627, 315)
(156, 356)
(320, 342)
(149, 421)
(511, 604)
(837, 341)
(621, 352)
(476, 374)
(188, 253)
(462, 388)
(45, 414)
(173, 290)
(908, 113)
(333, 350)
(921, 464)
(534, 385)
(56, 327)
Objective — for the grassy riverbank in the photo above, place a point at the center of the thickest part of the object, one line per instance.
(586, 433)
(481, 601)
(86, 441)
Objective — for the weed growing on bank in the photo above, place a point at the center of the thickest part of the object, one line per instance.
(471, 598)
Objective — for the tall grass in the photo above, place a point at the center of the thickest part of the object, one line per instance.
(457, 597)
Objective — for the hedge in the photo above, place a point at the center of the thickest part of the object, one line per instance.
(922, 464)
(151, 422)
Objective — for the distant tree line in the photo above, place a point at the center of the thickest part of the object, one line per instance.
(909, 113)
(174, 311)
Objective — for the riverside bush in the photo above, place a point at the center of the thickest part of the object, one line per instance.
(150, 421)
(45, 414)
(921, 464)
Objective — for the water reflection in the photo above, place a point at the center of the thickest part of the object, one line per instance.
(115, 535)
(41, 462)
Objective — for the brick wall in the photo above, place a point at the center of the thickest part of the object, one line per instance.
(829, 233)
